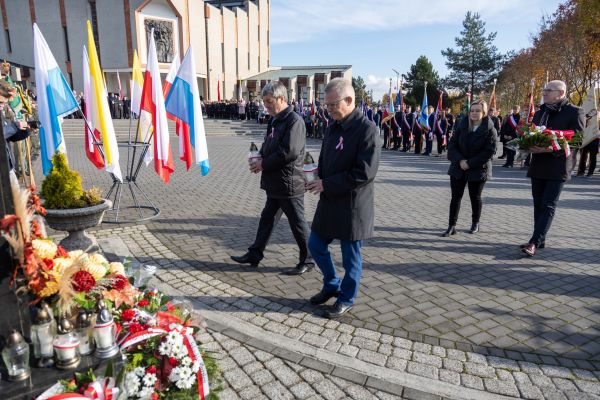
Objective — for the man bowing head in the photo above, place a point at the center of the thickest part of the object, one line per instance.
(348, 163)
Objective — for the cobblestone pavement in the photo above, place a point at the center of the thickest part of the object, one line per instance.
(253, 374)
(468, 310)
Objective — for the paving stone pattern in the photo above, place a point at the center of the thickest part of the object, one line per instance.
(494, 374)
(253, 374)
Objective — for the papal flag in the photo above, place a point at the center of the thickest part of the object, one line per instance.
(54, 100)
(101, 119)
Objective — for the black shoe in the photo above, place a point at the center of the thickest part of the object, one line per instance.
(505, 166)
(322, 297)
(474, 228)
(246, 259)
(501, 157)
(337, 310)
(301, 268)
(450, 231)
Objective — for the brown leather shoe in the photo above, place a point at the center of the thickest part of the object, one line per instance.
(529, 249)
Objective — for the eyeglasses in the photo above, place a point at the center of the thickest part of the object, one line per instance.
(334, 104)
(550, 90)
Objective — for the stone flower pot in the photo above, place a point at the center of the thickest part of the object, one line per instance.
(76, 221)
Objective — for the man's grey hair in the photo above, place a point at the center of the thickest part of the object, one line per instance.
(558, 85)
(341, 87)
(275, 89)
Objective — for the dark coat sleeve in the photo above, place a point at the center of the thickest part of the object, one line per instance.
(363, 171)
(487, 153)
(454, 154)
(289, 149)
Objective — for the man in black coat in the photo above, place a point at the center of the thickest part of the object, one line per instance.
(282, 178)
(508, 132)
(348, 162)
(549, 169)
(405, 127)
(395, 123)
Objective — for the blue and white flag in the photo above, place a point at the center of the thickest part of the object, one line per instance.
(391, 109)
(423, 117)
(54, 100)
(183, 102)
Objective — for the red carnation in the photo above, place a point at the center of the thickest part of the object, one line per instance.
(83, 281)
(128, 314)
(173, 361)
(151, 369)
(154, 396)
(170, 307)
(143, 303)
(120, 282)
(135, 327)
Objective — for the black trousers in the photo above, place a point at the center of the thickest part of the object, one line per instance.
(545, 200)
(510, 156)
(405, 141)
(591, 149)
(294, 210)
(457, 186)
(440, 141)
(386, 138)
(418, 143)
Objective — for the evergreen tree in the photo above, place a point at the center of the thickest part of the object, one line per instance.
(420, 72)
(360, 89)
(475, 61)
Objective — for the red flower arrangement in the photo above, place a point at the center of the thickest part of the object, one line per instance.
(120, 282)
(128, 314)
(143, 303)
(83, 281)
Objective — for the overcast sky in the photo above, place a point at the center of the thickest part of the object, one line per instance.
(375, 36)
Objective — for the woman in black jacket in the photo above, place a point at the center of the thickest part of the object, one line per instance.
(470, 152)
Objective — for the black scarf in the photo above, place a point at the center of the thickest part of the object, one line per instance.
(551, 109)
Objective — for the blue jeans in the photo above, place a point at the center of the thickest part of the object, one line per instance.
(351, 259)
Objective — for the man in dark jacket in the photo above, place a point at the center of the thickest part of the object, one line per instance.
(549, 170)
(508, 132)
(348, 162)
(282, 178)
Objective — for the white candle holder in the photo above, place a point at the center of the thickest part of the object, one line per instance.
(105, 333)
(65, 346)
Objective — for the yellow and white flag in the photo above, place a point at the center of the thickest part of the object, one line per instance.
(101, 119)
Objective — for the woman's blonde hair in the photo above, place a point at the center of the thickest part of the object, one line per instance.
(484, 108)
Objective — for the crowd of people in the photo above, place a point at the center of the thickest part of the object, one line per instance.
(349, 160)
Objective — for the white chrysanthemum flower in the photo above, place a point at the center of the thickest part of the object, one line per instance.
(185, 372)
(97, 270)
(174, 375)
(185, 383)
(196, 366)
(132, 383)
(97, 258)
(146, 393)
(75, 254)
(44, 248)
(164, 349)
(116, 268)
(149, 379)
(186, 361)
(139, 371)
(61, 264)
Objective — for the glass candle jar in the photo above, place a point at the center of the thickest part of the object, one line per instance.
(65, 346)
(16, 357)
(105, 333)
(85, 333)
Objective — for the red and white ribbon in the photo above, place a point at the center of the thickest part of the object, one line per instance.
(141, 336)
(102, 389)
(196, 356)
(62, 396)
(340, 145)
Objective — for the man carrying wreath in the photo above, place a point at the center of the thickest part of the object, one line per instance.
(550, 168)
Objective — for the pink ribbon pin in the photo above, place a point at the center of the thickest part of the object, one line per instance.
(340, 145)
